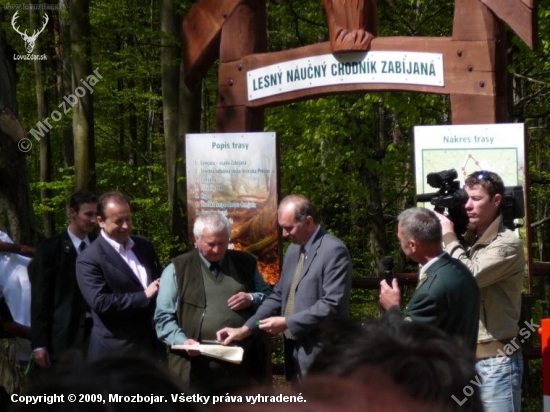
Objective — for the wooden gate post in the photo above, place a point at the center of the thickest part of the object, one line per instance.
(243, 34)
(483, 20)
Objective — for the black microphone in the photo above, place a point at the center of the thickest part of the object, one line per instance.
(387, 263)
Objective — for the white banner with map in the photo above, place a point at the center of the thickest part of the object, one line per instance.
(498, 148)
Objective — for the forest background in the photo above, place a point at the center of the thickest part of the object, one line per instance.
(351, 154)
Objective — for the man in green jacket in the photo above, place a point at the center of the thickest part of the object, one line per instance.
(447, 295)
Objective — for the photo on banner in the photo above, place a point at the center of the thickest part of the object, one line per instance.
(236, 174)
(446, 155)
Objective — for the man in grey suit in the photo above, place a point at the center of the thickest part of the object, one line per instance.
(314, 286)
(118, 277)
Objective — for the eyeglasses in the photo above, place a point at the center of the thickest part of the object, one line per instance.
(485, 176)
(482, 175)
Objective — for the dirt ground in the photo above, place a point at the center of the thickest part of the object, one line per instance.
(280, 385)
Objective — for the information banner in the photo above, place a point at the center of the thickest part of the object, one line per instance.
(468, 148)
(498, 148)
(236, 174)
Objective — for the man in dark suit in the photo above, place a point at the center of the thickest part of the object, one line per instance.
(57, 307)
(447, 295)
(118, 276)
(314, 286)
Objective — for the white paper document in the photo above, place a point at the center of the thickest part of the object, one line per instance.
(233, 354)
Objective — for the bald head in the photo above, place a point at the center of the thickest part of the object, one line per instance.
(298, 218)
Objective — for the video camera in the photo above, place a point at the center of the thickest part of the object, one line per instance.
(452, 198)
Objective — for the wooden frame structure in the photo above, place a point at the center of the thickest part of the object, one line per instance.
(475, 60)
(474, 57)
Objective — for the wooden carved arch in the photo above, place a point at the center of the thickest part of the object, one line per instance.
(474, 57)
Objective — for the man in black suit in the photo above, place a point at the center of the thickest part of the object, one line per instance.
(118, 276)
(57, 307)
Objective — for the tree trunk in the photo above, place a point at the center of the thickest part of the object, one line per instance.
(181, 114)
(83, 126)
(16, 214)
(64, 82)
(42, 113)
(132, 116)
(189, 116)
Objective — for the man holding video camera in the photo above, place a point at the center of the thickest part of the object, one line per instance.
(496, 258)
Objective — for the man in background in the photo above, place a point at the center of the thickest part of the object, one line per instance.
(58, 311)
(497, 261)
(118, 277)
(399, 366)
(15, 314)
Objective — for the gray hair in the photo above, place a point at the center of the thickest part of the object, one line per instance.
(420, 224)
(214, 221)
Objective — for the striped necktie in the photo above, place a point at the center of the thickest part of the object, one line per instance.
(289, 309)
(421, 279)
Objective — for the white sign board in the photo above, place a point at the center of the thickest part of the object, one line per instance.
(236, 174)
(498, 148)
(348, 68)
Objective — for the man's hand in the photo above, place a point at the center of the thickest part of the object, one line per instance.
(389, 295)
(42, 358)
(15, 329)
(16, 248)
(447, 226)
(152, 289)
(240, 301)
(228, 335)
(273, 325)
(192, 352)
(27, 251)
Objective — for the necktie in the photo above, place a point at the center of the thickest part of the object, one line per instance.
(215, 268)
(421, 279)
(82, 246)
(289, 309)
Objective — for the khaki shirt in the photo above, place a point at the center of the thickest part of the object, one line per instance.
(497, 261)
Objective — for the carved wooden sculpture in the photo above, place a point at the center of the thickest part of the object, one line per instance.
(352, 24)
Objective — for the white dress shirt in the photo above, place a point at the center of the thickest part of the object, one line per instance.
(125, 252)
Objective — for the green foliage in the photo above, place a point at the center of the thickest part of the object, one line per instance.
(365, 304)
(295, 23)
(351, 154)
(57, 203)
(146, 188)
(127, 118)
(415, 18)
